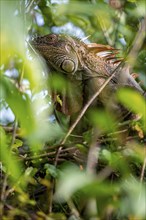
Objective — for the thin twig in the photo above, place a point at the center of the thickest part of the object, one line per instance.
(92, 161)
(14, 133)
(143, 170)
(104, 173)
(3, 197)
(10, 129)
(50, 195)
(90, 102)
(73, 209)
(21, 76)
(117, 28)
(117, 132)
(46, 154)
(57, 155)
(137, 43)
(104, 31)
(93, 154)
(38, 156)
(29, 5)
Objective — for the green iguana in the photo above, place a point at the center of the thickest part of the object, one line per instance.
(86, 66)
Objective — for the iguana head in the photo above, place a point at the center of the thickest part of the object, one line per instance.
(58, 51)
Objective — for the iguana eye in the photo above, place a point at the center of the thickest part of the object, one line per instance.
(68, 66)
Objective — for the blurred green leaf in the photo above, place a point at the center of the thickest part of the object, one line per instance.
(51, 170)
(57, 216)
(71, 180)
(133, 101)
(10, 161)
(84, 8)
(117, 161)
(100, 190)
(134, 199)
(18, 143)
(57, 82)
(20, 105)
(102, 120)
(8, 44)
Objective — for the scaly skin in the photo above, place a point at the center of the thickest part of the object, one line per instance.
(86, 68)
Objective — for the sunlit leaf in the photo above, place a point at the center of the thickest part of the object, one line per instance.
(20, 105)
(10, 161)
(134, 199)
(11, 36)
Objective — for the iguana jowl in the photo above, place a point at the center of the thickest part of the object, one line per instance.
(86, 66)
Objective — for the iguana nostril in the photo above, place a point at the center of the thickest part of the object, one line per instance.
(68, 66)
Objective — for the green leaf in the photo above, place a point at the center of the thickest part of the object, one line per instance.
(133, 101)
(51, 170)
(117, 161)
(102, 120)
(18, 143)
(20, 105)
(71, 180)
(133, 202)
(10, 161)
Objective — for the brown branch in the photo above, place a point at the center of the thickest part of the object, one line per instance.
(143, 170)
(3, 197)
(73, 209)
(21, 76)
(104, 173)
(47, 154)
(136, 46)
(92, 161)
(93, 154)
(10, 129)
(90, 102)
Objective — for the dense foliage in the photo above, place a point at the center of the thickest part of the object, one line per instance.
(100, 174)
